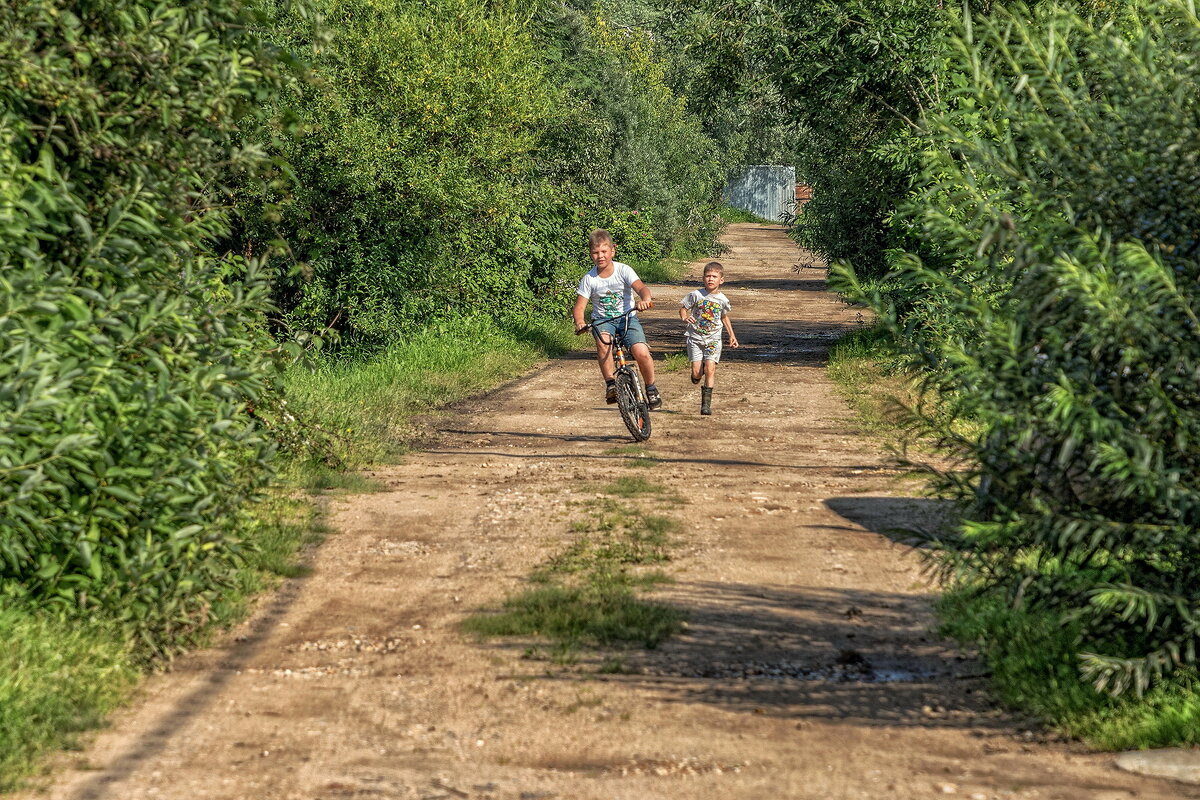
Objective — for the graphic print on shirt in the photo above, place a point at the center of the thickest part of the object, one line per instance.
(707, 315)
(610, 304)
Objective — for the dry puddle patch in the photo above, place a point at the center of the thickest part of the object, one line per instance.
(670, 766)
(850, 667)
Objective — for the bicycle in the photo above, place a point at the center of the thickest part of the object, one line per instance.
(631, 389)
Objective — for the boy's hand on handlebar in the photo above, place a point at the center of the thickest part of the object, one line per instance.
(644, 305)
(580, 329)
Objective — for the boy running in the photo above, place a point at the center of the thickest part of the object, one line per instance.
(705, 311)
(610, 286)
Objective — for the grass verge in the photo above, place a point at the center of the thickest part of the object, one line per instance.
(56, 680)
(859, 364)
(59, 679)
(667, 270)
(1034, 669)
(366, 406)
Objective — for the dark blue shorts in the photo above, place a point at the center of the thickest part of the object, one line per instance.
(628, 328)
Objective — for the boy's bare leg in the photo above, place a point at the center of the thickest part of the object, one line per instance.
(604, 356)
(697, 371)
(645, 362)
(710, 373)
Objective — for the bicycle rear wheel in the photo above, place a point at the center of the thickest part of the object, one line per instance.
(631, 400)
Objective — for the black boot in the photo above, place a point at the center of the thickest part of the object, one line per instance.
(706, 400)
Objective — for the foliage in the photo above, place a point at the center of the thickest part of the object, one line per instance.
(126, 452)
(1069, 159)
(414, 187)
(625, 140)
(855, 76)
(854, 79)
(455, 155)
(1034, 667)
(633, 235)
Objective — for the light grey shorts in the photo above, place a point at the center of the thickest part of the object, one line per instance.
(703, 349)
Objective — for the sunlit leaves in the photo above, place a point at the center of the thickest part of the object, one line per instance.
(1062, 177)
(127, 362)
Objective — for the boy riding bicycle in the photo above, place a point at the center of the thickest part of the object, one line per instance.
(610, 286)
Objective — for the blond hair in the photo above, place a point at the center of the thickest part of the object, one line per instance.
(599, 237)
(714, 266)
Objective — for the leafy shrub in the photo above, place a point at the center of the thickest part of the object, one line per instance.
(856, 78)
(633, 234)
(126, 452)
(1034, 666)
(1069, 154)
(624, 141)
(414, 192)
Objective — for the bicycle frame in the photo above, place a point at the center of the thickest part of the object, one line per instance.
(615, 342)
(631, 389)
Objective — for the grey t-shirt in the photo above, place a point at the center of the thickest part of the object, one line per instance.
(707, 309)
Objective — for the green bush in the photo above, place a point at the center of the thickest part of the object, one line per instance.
(633, 234)
(1034, 666)
(1061, 171)
(624, 140)
(126, 450)
(856, 77)
(415, 191)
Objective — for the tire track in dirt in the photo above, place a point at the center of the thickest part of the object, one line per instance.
(807, 669)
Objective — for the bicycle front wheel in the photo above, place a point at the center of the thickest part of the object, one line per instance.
(631, 400)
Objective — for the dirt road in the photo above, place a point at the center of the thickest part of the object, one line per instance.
(807, 669)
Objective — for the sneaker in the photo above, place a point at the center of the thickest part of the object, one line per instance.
(654, 398)
(610, 393)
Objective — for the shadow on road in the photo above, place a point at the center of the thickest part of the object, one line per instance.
(848, 656)
(214, 677)
(908, 520)
(840, 471)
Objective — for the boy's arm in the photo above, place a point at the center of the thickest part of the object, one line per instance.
(645, 303)
(685, 313)
(733, 342)
(577, 312)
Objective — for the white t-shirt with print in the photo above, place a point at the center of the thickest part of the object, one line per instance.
(707, 308)
(611, 296)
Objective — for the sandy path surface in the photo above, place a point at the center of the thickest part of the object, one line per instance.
(807, 669)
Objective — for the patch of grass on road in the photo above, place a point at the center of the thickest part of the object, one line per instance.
(587, 595)
(673, 362)
(635, 486)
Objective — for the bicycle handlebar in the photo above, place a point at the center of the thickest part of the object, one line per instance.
(590, 325)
